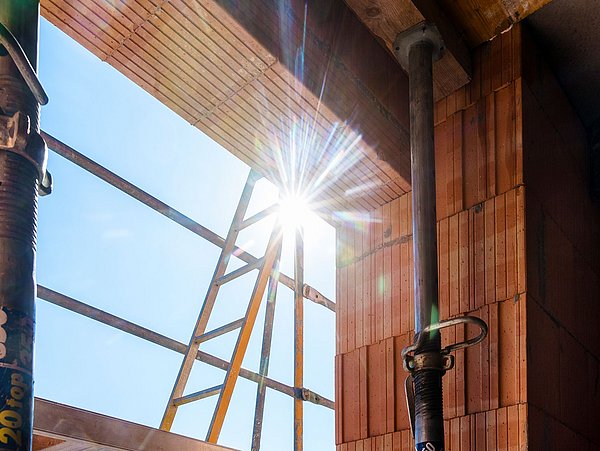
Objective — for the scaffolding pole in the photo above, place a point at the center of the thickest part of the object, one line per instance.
(81, 308)
(298, 339)
(22, 169)
(265, 355)
(171, 213)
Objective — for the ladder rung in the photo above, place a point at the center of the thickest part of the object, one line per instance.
(239, 272)
(220, 331)
(197, 396)
(258, 216)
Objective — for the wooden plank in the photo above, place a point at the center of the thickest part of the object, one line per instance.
(85, 430)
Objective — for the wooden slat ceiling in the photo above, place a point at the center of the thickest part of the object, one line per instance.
(270, 79)
(199, 59)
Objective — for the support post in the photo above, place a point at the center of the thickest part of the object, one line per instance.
(22, 168)
(299, 339)
(417, 48)
(265, 354)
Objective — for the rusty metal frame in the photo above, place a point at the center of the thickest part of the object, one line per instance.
(268, 267)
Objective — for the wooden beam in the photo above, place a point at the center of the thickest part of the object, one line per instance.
(327, 48)
(481, 20)
(387, 18)
(81, 430)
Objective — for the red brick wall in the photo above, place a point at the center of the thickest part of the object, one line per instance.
(563, 261)
(481, 238)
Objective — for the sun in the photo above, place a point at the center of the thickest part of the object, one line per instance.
(294, 211)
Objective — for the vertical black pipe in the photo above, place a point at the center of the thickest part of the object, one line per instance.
(18, 222)
(429, 422)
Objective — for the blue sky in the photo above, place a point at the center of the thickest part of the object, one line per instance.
(100, 246)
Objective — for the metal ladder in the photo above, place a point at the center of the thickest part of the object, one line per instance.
(265, 266)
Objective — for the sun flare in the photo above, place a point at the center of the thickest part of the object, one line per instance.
(294, 211)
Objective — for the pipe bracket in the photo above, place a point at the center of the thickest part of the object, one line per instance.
(423, 31)
(16, 136)
(16, 52)
(420, 338)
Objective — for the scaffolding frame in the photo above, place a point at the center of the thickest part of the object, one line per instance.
(268, 267)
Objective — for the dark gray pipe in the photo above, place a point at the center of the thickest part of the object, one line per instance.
(19, 179)
(429, 420)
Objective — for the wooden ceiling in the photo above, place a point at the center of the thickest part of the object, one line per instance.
(270, 79)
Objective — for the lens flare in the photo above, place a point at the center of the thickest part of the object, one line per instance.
(294, 211)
